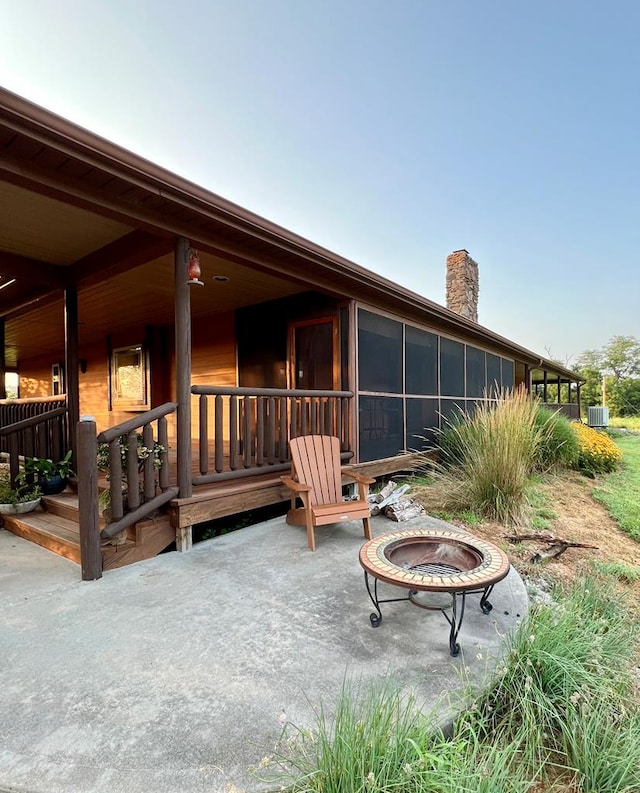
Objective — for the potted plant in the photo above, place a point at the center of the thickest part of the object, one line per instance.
(51, 477)
(17, 500)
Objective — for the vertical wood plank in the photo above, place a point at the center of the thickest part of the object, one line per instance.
(149, 474)
(218, 417)
(233, 432)
(204, 434)
(115, 473)
(163, 440)
(133, 487)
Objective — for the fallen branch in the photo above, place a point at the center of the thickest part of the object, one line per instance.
(558, 547)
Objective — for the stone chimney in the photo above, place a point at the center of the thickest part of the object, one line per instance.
(462, 285)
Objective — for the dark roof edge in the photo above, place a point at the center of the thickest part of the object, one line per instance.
(169, 184)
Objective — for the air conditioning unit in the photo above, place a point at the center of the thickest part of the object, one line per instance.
(598, 416)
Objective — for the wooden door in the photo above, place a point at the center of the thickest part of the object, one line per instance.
(313, 346)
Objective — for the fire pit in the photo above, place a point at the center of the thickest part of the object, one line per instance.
(439, 567)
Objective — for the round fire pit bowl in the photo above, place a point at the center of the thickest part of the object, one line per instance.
(439, 567)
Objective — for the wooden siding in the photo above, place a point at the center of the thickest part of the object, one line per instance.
(214, 362)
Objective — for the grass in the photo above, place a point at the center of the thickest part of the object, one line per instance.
(628, 422)
(562, 715)
(620, 491)
(627, 573)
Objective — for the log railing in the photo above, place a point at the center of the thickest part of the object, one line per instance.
(569, 409)
(42, 432)
(245, 431)
(133, 467)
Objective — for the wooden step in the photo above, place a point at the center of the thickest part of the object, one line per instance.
(61, 536)
(53, 532)
(64, 504)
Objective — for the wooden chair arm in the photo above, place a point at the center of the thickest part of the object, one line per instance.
(293, 485)
(359, 478)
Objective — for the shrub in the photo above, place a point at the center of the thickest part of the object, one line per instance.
(559, 447)
(487, 458)
(598, 454)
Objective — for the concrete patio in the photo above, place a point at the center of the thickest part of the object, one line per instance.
(177, 674)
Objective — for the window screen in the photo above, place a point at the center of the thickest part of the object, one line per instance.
(421, 362)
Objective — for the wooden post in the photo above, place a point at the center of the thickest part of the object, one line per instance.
(87, 451)
(184, 537)
(72, 386)
(3, 363)
(544, 388)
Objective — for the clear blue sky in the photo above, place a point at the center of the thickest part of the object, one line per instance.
(390, 132)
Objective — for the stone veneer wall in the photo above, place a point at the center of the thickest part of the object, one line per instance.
(462, 285)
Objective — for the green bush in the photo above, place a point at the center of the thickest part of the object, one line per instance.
(559, 446)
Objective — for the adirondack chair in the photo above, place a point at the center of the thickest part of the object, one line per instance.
(316, 477)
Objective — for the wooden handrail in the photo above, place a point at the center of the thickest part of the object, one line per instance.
(25, 424)
(138, 514)
(213, 390)
(34, 435)
(110, 434)
(33, 400)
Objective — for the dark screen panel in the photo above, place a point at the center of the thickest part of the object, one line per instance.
(475, 365)
(421, 362)
(379, 353)
(494, 374)
(381, 424)
(507, 373)
(451, 368)
(422, 423)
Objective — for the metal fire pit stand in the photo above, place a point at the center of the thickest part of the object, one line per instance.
(446, 563)
(457, 612)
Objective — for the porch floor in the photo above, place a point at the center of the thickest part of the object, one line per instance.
(177, 673)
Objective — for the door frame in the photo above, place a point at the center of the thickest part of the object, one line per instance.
(335, 337)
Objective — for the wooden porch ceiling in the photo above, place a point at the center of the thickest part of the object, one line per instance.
(137, 296)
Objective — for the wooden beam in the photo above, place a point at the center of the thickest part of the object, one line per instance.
(132, 250)
(15, 266)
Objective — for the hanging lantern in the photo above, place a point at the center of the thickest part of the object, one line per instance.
(194, 268)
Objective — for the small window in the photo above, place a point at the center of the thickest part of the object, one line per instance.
(57, 379)
(129, 378)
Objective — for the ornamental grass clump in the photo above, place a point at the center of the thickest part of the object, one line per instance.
(559, 447)
(487, 459)
(598, 453)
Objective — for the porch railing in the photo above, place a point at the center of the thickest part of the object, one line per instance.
(133, 466)
(569, 409)
(39, 429)
(245, 431)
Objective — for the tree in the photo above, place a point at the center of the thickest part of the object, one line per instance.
(621, 356)
(618, 362)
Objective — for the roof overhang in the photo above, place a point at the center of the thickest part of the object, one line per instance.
(81, 209)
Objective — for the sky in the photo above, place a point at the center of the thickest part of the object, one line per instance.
(391, 133)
